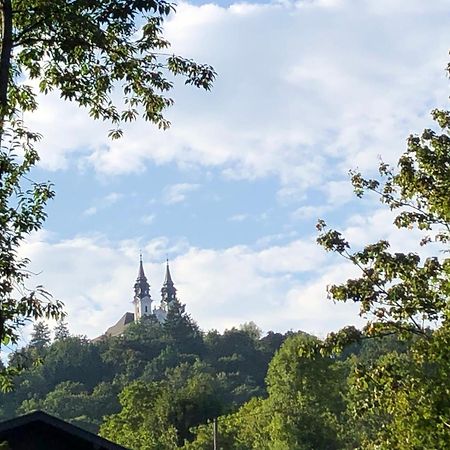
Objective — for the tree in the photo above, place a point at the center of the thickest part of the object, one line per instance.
(74, 359)
(71, 401)
(181, 331)
(189, 395)
(252, 330)
(139, 345)
(196, 395)
(40, 337)
(239, 354)
(399, 292)
(21, 212)
(143, 423)
(86, 50)
(89, 49)
(303, 410)
(305, 395)
(400, 400)
(245, 429)
(61, 331)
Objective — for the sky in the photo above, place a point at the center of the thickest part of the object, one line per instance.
(231, 193)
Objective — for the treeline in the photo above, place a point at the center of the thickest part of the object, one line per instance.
(372, 393)
(160, 386)
(181, 376)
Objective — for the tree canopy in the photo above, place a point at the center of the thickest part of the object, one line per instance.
(401, 399)
(88, 50)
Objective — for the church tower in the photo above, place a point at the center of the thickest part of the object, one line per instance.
(168, 291)
(168, 295)
(142, 300)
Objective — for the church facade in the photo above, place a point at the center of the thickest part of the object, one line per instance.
(143, 302)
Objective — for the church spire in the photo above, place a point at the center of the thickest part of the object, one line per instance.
(141, 287)
(168, 291)
(142, 300)
(141, 274)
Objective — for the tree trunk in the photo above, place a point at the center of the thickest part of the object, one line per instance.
(5, 63)
(5, 56)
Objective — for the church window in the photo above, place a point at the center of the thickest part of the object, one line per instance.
(145, 309)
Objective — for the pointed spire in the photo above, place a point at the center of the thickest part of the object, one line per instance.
(168, 291)
(141, 274)
(141, 287)
(167, 278)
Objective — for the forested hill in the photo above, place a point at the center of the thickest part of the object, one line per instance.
(201, 375)
(158, 387)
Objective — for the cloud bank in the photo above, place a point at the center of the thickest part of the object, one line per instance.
(305, 90)
(279, 287)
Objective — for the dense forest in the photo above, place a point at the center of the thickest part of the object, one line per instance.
(160, 386)
(195, 376)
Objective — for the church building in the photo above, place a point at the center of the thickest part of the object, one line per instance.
(143, 302)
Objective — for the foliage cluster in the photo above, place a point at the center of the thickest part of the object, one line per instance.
(188, 376)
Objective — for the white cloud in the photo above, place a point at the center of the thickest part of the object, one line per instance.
(112, 198)
(379, 224)
(305, 91)
(337, 194)
(238, 217)
(308, 212)
(92, 210)
(103, 203)
(278, 286)
(177, 193)
(148, 219)
(222, 288)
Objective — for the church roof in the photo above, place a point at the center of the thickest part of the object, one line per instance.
(142, 291)
(141, 287)
(118, 328)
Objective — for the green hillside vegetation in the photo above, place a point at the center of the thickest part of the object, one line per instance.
(196, 375)
(160, 386)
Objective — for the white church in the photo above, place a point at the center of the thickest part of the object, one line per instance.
(142, 302)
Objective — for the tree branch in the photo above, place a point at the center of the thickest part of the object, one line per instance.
(26, 30)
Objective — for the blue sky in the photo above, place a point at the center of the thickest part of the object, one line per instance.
(231, 193)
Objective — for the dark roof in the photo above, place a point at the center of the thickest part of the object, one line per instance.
(141, 287)
(39, 430)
